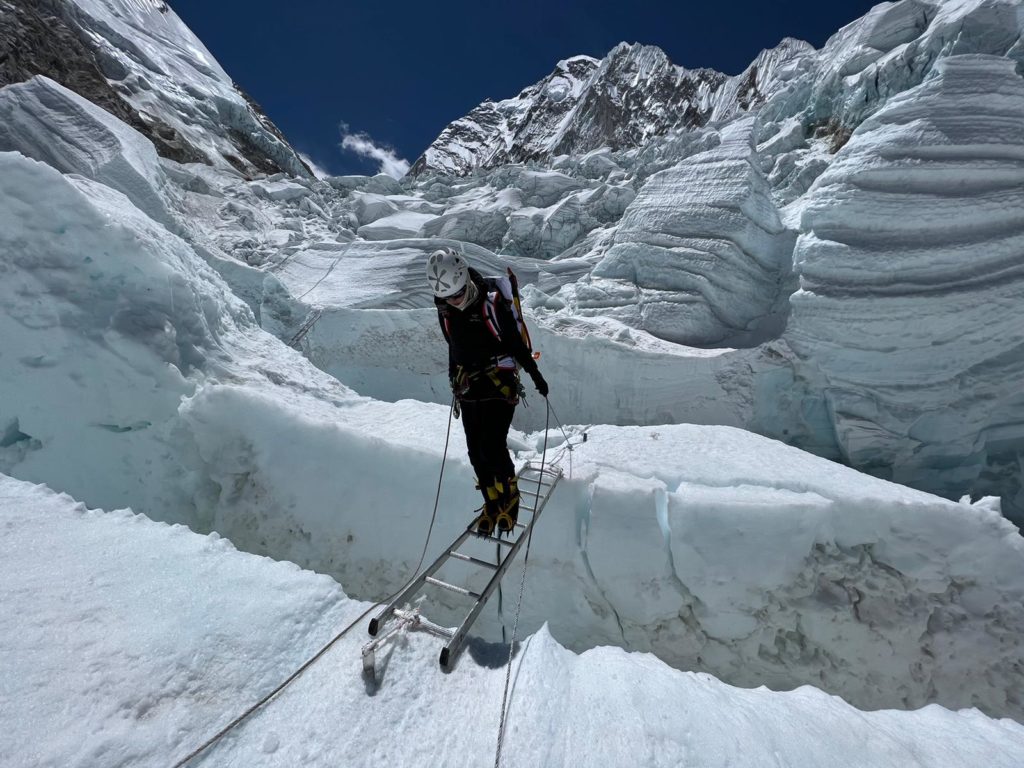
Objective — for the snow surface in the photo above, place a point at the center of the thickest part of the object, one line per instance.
(157, 637)
(243, 357)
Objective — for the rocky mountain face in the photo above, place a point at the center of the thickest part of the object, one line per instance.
(141, 64)
(633, 95)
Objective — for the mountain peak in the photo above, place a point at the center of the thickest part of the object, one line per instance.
(633, 93)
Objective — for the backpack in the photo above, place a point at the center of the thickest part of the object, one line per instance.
(508, 287)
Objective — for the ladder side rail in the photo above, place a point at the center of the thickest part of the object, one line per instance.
(403, 597)
(449, 652)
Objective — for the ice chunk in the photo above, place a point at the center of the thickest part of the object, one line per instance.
(704, 246)
(46, 121)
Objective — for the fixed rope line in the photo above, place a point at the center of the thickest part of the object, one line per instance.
(568, 445)
(316, 657)
(519, 603)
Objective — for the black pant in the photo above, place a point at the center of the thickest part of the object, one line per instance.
(486, 423)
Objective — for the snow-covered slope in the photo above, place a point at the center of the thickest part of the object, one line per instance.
(159, 637)
(136, 59)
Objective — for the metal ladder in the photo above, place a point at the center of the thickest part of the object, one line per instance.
(536, 484)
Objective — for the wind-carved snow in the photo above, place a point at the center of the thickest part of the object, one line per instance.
(912, 282)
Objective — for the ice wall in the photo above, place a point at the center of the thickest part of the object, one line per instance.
(108, 320)
(714, 548)
(908, 315)
(47, 122)
(700, 257)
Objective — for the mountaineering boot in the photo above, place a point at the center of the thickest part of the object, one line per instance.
(484, 522)
(509, 512)
(489, 511)
(493, 495)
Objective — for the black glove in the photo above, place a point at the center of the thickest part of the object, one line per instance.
(459, 381)
(539, 383)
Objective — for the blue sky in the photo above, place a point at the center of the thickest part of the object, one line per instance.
(395, 73)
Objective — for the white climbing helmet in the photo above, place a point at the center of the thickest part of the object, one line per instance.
(447, 272)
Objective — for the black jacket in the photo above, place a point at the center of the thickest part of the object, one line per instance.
(473, 348)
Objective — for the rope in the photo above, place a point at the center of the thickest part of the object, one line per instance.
(230, 726)
(519, 602)
(307, 326)
(568, 445)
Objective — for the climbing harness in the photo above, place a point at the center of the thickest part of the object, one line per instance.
(509, 391)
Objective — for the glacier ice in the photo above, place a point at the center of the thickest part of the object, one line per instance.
(704, 247)
(873, 191)
(911, 279)
(44, 120)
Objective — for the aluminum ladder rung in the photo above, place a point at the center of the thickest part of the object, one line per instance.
(452, 587)
(491, 537)
(474, 560)
(532, 501)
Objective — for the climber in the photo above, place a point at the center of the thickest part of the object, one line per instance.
(487, 344)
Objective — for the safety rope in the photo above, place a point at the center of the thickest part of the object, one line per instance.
(568, 446)
(522, 589)
(312, 660)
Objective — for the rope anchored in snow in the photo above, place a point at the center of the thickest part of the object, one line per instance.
(316, 657)
(519, 602)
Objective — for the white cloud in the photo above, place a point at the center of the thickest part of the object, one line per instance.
(319, 172)
(362, 144)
